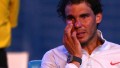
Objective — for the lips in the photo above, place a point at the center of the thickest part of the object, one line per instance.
(80, 34)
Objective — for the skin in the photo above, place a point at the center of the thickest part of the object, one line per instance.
(81, 29)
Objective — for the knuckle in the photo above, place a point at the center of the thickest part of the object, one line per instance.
(66, 31)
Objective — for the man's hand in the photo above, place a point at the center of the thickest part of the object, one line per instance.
(70, 40)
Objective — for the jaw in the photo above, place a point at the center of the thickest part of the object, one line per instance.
(88, 39)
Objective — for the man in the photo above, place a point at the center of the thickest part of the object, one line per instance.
(84, 46)
(8, 20)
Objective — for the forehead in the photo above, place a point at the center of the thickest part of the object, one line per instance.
(77, 8)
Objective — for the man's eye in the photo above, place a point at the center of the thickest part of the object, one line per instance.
(84, 16)
(69, 17)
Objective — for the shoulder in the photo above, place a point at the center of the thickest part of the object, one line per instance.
(112, 48)
(112, 53)
(58, 50)
(56, 54)
(113, 45)
(54, 57)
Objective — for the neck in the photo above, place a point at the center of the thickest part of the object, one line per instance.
(93, 43)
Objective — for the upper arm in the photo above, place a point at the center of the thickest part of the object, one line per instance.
(48, 60)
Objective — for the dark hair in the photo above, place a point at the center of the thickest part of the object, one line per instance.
(95, 5)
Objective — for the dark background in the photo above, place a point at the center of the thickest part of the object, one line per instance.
(40, 29)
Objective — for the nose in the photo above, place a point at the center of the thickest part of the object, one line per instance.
(78, 24)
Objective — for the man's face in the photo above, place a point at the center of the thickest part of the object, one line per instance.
(84, 21)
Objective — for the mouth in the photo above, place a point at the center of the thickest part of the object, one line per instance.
(80, 34)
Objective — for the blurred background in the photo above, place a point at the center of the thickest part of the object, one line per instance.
(40, 29)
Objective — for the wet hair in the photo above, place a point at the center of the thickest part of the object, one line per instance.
(95, 5)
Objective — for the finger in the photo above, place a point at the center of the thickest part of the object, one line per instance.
(67, 42)
(77, 45)
(68, 45)
(67, 32)
(75, 40)
(68, 28)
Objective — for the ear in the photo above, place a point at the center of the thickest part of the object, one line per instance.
(98, 18)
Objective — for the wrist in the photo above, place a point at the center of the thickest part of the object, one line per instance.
(74, 59)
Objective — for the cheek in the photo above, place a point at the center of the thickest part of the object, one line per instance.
(91, 26)
(91, 22)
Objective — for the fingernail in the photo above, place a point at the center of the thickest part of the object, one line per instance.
(69, 22)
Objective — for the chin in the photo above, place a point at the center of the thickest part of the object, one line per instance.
(83, 42)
